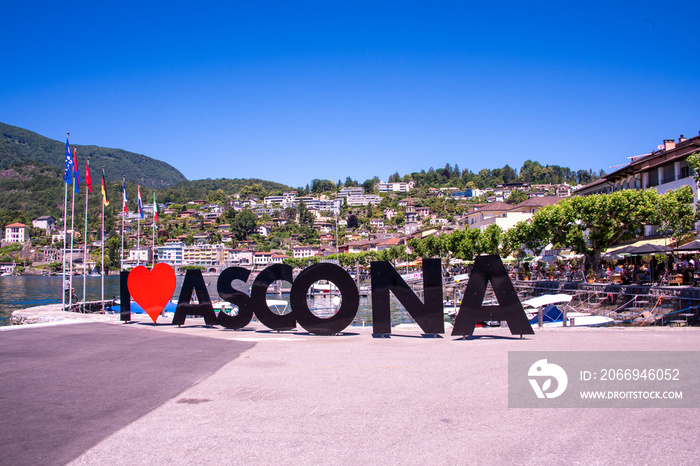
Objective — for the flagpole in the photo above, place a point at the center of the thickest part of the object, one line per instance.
(121, 265)
(85, 242)
(155, 209)
(72, 235)
(65, 241)
(138, 241)
(105, 201)
(102, 265)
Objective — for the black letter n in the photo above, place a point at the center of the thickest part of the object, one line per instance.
(509, 309)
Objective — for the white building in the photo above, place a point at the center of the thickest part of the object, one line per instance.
(46, 222)
(17, 233)
(206, 255)
(397, 187)
(365, 199)
(138, 256)
(171, 253)
(302, 252)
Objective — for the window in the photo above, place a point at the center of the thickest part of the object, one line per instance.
(669, 173)
(685, 170)
(653, 178)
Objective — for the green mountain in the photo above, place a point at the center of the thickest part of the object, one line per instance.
(19, 145)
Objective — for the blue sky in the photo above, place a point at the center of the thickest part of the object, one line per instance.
(292, 91)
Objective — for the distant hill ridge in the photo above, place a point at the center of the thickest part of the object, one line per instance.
(18, 145)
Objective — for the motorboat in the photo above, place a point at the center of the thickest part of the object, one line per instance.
(553, 316)
(277, 306)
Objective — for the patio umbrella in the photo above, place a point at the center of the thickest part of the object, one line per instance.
(612, 256)
(548, 258)
(692, 246)
(624, 250)
(652, 249)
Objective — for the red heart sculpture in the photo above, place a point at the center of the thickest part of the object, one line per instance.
(152, 289)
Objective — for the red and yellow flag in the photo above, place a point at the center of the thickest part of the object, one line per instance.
(105, 199)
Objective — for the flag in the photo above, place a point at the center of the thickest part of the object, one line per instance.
(155, 208)
(126, 209)
(68, 171)
(140, 205)
(88, 180)
(77, 172)
(105, 199)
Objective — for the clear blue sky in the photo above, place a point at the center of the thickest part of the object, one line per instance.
(292, 91)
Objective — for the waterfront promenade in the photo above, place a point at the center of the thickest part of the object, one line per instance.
(113, 393)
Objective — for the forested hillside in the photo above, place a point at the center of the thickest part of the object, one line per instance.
(19, 145)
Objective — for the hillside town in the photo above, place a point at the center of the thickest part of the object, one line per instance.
(253, 232)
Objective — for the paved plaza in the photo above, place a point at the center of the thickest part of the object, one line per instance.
(113, 393)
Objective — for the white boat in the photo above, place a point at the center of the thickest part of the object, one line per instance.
(323, 287)
(552, 316)
(278, 306)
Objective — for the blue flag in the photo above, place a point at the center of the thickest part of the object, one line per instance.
(68, 171)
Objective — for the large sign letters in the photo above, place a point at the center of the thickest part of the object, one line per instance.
(385, 280)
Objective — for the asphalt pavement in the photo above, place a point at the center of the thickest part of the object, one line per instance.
(110, 393)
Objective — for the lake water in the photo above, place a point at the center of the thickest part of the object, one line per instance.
(28, 291)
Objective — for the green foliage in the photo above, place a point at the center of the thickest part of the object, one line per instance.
(322, 186)
(591, 224)
(304, 217)
(192, 267)
(516, 197)
(186, 191)
(694, 163)
(19, 145)
(676, 215)
(243, 224)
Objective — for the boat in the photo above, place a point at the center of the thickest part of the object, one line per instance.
(323, 287)
(553, 316)
(277, 306)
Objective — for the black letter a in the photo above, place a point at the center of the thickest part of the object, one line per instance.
(194, 282)
(509, 309)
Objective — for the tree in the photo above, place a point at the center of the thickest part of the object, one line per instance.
(694, 162)
(304, 217)
(591, 224)
(256, 190)
(368, 185)
(517, 196)
(353, 221)
(290, 213)
(321, 186)
(533, 235)
(463, 243)
(676, 214)
(243, 224)
(217, 197)
(489, 241)
(112, 250)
